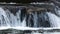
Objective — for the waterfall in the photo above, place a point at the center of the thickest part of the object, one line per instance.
(8, 19)
(35, 19)
(4, 20)
(22, 20)
(54, 19)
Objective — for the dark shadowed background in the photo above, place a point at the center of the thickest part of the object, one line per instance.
(23, 1)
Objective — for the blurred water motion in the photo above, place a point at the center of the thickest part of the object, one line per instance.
(34, 15)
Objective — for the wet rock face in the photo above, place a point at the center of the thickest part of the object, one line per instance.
(37, 17)
(23, 13)
(12, 9)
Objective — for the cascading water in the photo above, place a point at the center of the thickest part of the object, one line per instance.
(35, 19)
(38, 19)
(4, 21)
(9, 19)
(22, 20)
(54, 20)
